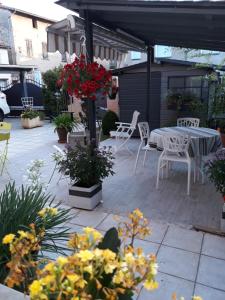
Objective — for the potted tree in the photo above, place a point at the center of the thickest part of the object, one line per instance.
(86, 167)
(64, 124)
(31, 119)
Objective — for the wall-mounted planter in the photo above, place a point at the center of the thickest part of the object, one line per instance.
(31, 123)
(85, 198)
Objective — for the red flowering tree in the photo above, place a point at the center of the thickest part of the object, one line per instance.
(84, 79)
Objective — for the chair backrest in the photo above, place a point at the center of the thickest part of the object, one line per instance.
(27, 102)
(188, 122)
(176, 143)
(134, 119)
(143, 130)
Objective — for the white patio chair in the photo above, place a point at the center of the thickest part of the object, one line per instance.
(124, 131)
(27, 102)
(144, 135)
(61, 153)
(175, 149)
(188, 122)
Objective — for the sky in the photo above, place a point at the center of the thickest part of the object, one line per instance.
(44, 8)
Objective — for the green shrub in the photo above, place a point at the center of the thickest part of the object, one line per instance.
(52, 103)
(108, 122)
(19, 209)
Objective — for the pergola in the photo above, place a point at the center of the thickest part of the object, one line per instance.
(189, 24)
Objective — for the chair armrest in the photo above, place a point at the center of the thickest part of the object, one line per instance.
(122, 123)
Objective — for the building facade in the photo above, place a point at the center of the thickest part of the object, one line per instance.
(23, 41)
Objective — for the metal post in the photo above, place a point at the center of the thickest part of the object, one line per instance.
(149, 61)
(24, 83)
(89, 55)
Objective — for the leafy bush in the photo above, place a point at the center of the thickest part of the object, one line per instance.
(19, 209)
(108, 122)
(86, 166)
(65, 121)
(52, 103)
(215, 169)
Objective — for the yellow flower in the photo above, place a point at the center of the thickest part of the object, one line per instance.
(138, 213)
(23, 234)
(89, 269)
(85, 255)
(49, 267)
(197, 298)
(35, 288)
(8, 238)
(108, 254)
(41, 213)
(53, 211)
(62, 260)
(91, 231)
(118, 277)
(73, 277)
(109, 268)
(150, 285)
(47, 279)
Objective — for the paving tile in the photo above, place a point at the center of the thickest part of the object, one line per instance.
(148, 247)
(208, 293)
(167, 286)
(74, 228)
(178, 262)
(212, 272)
(214, 246)
(158, 231)
(183, 238)
(11, 294)
(111, 221)
(89, 218)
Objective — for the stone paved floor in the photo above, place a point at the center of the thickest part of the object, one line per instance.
(189, 262)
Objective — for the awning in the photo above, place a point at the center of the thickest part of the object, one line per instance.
(65, 36)
(189, 24)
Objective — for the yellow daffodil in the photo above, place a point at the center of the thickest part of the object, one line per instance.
(62, 260)
(73, 277)
(8, 238)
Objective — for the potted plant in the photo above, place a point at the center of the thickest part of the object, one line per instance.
(31, 119)
(64, 124)
(174, 100)
(86, 167)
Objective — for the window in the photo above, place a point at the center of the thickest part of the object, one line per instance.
(189, 84)
(135, 55)
(29, 48)
(34, 23)
(44, 50)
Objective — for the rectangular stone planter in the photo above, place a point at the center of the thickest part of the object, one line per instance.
(31, 123)
(85, 198)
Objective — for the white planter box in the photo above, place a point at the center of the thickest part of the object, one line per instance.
(31, 123)
(85, 198)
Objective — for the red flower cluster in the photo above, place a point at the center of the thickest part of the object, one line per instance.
(85, 79)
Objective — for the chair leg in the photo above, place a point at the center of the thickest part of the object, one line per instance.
(144, 157)
(158, 173)
(189, 179)
(194, 170)
(137, 158)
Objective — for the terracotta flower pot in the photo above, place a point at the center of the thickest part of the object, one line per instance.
(62, 134)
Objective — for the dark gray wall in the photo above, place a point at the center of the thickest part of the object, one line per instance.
(133, 96)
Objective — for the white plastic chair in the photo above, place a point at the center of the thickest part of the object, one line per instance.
(175, 149)
(125, 130)
(188, 122)
(144, 135)
(27, 102)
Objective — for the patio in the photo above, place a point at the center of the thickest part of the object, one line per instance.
(124, 191)
(189, 262)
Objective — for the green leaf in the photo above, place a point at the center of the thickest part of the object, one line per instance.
(111, 241)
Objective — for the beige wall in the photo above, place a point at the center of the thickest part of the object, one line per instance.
(22, 30)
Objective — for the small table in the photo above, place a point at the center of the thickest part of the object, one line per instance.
(203, 141)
